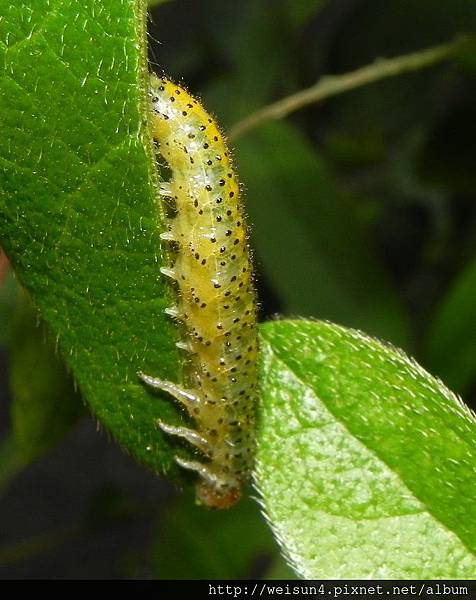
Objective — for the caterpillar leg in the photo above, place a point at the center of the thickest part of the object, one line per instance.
(186, 398)
(168, 272)
(191, 436)
(213, 490)
(165, 189)
(205, 473)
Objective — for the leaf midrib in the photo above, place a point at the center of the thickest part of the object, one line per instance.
(373, 451)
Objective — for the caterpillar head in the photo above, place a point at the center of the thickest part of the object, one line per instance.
(215, 497)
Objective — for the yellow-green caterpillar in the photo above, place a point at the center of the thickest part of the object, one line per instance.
(216, 299)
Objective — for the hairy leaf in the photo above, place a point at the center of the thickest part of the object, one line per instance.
(365, 463)
(78, 214)
(451, 344)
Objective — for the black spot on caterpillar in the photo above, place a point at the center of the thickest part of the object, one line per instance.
(216, 301)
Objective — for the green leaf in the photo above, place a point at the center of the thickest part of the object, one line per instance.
(308, 237)
(9, 290)
(78, 213)
(247, 32)
(365, 462)
(247, 85)
(154, 3)
(192, 543)
(300, 11)
(11, 461)
(44, 403)
(279, 569)
(451, 344)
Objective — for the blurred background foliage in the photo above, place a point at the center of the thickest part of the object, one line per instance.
(363, 212)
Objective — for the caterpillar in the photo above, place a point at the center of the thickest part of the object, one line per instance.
(216, 302)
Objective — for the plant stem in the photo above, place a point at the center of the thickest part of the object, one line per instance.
(331, 85)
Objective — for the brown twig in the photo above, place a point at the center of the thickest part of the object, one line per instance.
(331, 85)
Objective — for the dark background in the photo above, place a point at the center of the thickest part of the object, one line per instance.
(363, 212)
